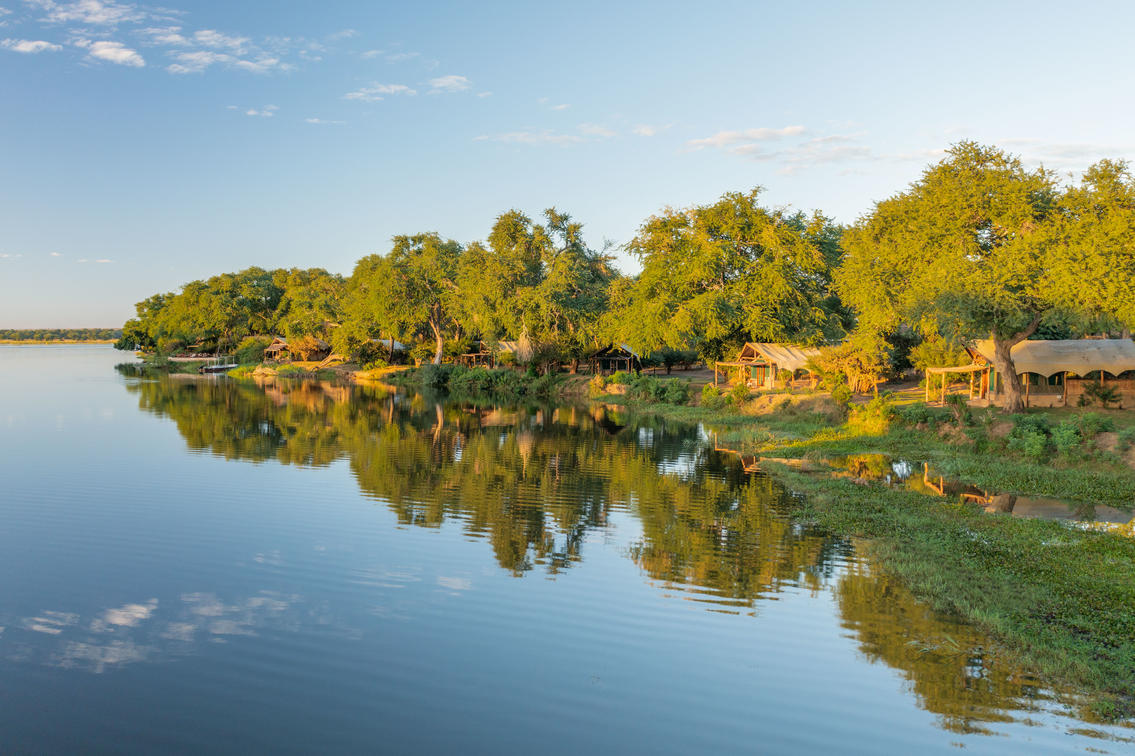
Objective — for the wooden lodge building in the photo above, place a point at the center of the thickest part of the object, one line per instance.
(1053, 373)
(759, 363)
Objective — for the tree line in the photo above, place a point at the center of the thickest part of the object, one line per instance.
(980, 246)
(60, 334)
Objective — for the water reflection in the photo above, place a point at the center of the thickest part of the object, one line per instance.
(923, 478)
(534, 484)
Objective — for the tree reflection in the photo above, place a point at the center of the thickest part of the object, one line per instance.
(535, 482)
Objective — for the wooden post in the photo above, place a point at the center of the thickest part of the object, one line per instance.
(943, 388)
(971, 385)
(715, 373)
(1064, 380)
(928, 374)
(1027, 385)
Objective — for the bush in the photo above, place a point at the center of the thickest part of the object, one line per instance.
(435, 377)
(873, 418)
(544, 387)
(621, 377)
(958, 405)
(739, 394)
(711, 397)
(919, 414)
(841, 393)
(243, 371)
(1097, 392)
(1066, 438)
(597, 386)
(1126, 438)
(1030, 435)
(375, 364)
(1092, 424)
(286, 370)
(251, 350)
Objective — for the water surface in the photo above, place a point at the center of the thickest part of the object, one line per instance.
(202, 564)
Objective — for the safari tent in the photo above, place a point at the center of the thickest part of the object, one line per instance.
(759, 363)
(276, 349)
(1054, 373)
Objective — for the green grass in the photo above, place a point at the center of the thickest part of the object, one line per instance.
(1059, 597)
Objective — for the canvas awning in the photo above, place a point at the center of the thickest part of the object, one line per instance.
(785, 357)
(1078, 356)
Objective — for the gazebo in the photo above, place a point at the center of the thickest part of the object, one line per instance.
(759, 362)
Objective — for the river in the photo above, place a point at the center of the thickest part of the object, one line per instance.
(193, 565)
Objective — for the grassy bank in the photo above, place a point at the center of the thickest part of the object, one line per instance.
(1058, 598)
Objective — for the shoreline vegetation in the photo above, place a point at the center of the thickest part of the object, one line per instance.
(981, 247)
(60, 335)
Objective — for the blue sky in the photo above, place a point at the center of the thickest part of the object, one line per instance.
(142, 146)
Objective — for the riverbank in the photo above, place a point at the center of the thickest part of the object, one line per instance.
(1057, 596)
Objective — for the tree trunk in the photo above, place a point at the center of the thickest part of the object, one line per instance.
(574, 365)
(440, 343)
(1003, 361)
(391, 350)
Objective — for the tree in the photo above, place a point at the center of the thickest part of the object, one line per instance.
(538, 283)
(981, 247)
(729, 272)
(410, 292)
(312, 301)
(961, 253)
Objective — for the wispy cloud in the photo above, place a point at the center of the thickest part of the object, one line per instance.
(644, 130)
(94, 12)
(7, 256)
(198, 61)
(595, 130)
(104, 261)
(324, 122)
(450, 83)
(730, 139)
(56, 254)
(564, 106)
(376, 92)
(217, 40)
(29, 45)
(111, 52)
(265, 112)
(484, 94)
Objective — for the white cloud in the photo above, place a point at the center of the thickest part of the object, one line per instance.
(104, 261)
(168, 35)
(450, 83)
(595, 130)
(216, 40)
(565, 106)
(112, 52)
(370, 54)
(645, 130)
(321, 121)
(29, 45)
(81, 260)
(343, 34)
(723, 139)
(484, 94)
(265, 112)
(94, 12)
(198, 60)
(398, 57)
(56, 254)
(375, 92)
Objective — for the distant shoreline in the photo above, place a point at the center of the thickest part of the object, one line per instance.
(17, 342)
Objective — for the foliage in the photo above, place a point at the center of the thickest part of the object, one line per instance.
(981, 247)
(1091, 424)
(60, 334)
(873, 418)
(712, 398)
(1066, 438)
(731, 271)
(1103, 394)
(667, 391)
(851, 365)
(958, 405)
(251, 349)
(739, 394)
(1030, 435)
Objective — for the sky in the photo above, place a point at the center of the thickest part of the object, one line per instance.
(145, 146)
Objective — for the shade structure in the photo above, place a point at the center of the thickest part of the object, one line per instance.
(1076, 356)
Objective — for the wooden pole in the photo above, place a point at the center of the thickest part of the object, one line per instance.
(715, 373)
(1027, 386)
(971, 385)
(1064, 380)
(928, 374)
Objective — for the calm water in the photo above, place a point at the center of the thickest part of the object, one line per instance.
(192, 565)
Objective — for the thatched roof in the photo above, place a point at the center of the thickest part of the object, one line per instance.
(278, 345)
(622, 351)
(1079, 356)
(784, 356)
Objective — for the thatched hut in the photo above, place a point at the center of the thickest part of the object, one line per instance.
(277, 349)
(759, 363)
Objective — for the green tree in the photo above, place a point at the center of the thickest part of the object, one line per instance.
(981, 247)
(729, 272)
(409, 293)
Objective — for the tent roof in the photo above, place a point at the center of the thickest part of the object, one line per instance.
(1079, 356)
(610, 349)
(787, 357)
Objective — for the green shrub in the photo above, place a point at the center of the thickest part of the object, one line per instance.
(375, 364)
(958, 404)
(243, 371)
(872, 418)
(712, 398)
(1098, 392)
(1091, 424)
(251, 350)
(436, 377)
(544, 387)
(841, 394)
(1066, 438)
(1030, 435)
(739, 394)
(597, 386)
(1126, 438)
(286, 370)
(621, 377)
(918, 414)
